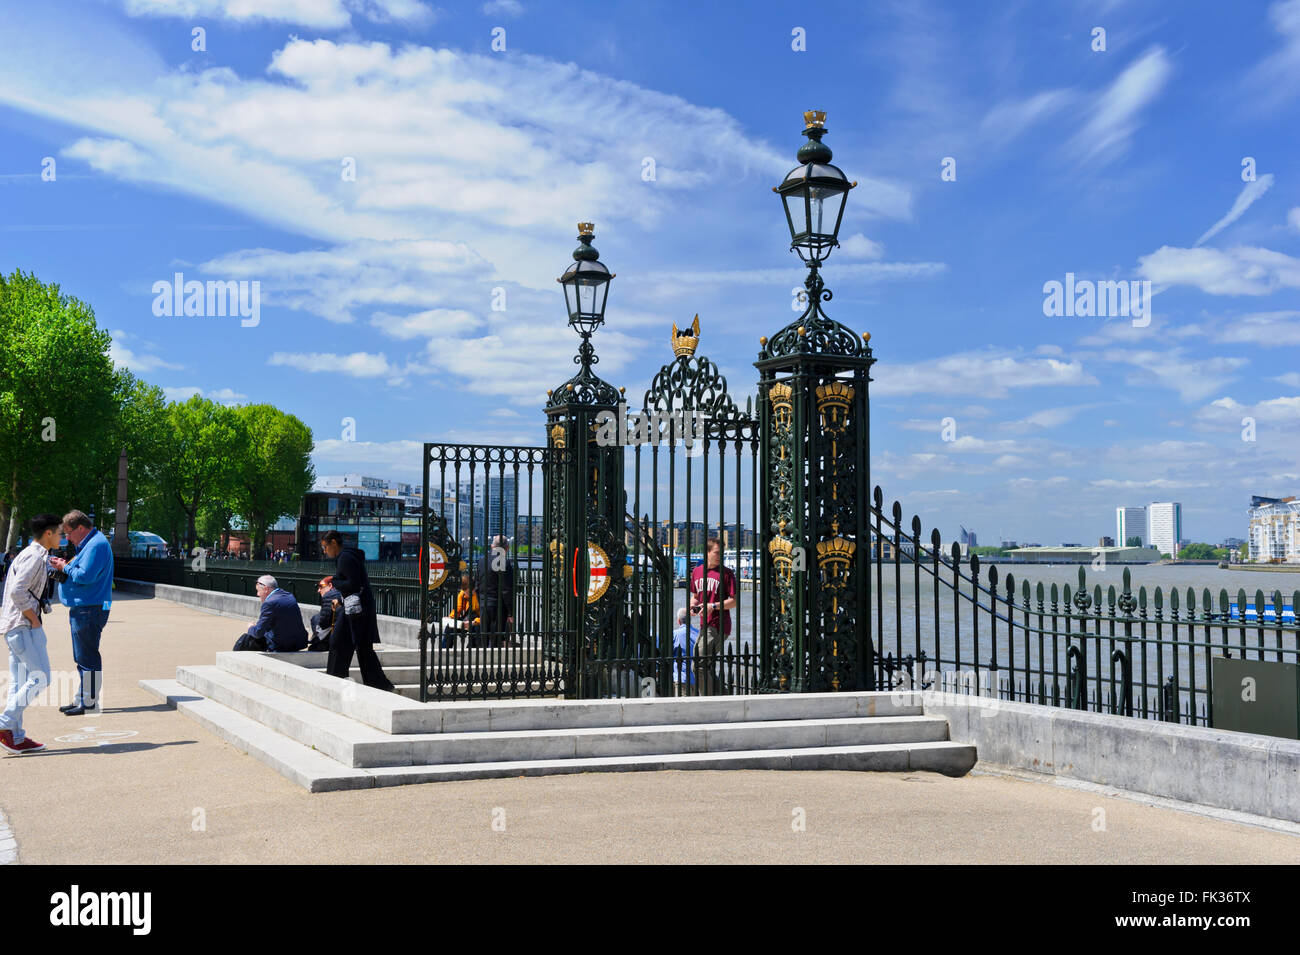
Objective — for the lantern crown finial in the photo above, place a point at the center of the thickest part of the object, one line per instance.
(587, 228)
(814, 117)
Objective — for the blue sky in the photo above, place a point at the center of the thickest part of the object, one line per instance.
(473, 166)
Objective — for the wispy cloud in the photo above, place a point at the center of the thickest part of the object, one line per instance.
(1245, 198)
(1116, 116)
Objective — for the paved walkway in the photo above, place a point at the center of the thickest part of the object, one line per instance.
(172, 793)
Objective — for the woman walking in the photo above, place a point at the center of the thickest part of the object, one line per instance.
(356, 626)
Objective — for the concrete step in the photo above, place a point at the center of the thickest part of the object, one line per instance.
(395, 713)
(319, 773)
(401, 657)
(356, 745)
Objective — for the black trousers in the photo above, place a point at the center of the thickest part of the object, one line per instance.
(342, 646)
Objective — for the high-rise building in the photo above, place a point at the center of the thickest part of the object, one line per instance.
(1131, 523)
(1165, 520)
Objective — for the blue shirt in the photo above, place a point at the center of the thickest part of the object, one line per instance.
(90, 573)
(684, 646)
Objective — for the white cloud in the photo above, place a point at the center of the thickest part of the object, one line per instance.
(858, 246)
(1107, 134)
(1249, 193)
(431, 323)
(1291, 378)
(320, 14)
(123, 357)
(1262, 328)
(506, 8)
(1277, 78)
(989, 373)
(1006, 121)
(1192, 378)
(1293, 218)
(355, 364)
(1226, 413)
(1243, 270)
(225, 396)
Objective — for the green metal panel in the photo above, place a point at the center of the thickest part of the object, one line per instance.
(1256, 696)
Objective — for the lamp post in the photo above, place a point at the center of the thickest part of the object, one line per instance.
(585, 497)
(814, 419)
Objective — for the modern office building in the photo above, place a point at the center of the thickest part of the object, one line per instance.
(1165, 523)
(1275, 530)
(1131, 523)
(967, 539)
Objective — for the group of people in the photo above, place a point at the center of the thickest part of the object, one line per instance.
(346, 625)
(33, 580)
(483, 611)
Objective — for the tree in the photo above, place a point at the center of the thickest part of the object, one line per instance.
(275, 469)
(1201, 552)
(201, 455)
(1133, 542)
(59, 397)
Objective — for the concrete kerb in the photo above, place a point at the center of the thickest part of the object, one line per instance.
(1240, 772)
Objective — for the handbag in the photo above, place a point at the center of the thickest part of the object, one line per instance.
(352, 604)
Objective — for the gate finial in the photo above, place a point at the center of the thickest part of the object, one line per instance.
(684, 344)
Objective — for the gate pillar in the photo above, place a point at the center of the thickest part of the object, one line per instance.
(815, 446)
(586, 499)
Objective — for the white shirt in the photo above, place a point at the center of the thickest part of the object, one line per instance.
(26, 577)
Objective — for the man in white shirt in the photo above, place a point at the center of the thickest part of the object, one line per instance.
(20, 622)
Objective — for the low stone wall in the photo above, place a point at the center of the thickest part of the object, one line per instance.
(393, 631)
(1209, 767)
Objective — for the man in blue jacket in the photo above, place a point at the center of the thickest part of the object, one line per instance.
(279, 629)
(87, 592)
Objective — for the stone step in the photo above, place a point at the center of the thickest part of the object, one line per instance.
(395, 713)
(359, 746)
(401, 657)
(319, 773)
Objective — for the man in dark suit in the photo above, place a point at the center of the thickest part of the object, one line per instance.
(357, 631)
(279, 629)
(496, 590)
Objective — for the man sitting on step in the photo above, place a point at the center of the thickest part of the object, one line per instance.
(279, 629)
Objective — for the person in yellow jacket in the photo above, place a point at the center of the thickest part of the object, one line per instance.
(465, 614)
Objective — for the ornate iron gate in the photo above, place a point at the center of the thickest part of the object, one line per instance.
(481, 517)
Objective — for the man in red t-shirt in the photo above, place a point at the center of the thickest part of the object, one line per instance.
(713, 595)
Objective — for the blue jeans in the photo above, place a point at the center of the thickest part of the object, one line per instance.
(29, 675)
(87, 624)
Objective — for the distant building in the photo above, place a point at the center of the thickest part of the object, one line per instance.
(1165, 520)
(1106, 542)
(1131, 527)
(1073, 554)
(1275, 530)
(967, 539)
(1008, 545)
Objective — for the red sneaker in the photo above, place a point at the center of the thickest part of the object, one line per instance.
(7, 743)
(29, 745)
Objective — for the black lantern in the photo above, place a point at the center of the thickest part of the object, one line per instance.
(814, 194)
(586, 284)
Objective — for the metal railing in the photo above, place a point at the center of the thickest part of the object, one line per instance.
(943, 621)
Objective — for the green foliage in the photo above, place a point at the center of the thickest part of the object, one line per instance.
(1202, 552)
(273, 471)
(1133, 542)
(59, 399)
(200, 457)
(990, 551)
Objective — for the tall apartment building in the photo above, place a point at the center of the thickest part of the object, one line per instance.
(1275, 530)
(1131, 522)
(1165, 523)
